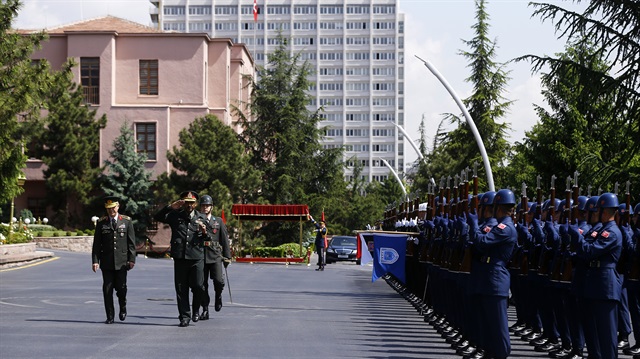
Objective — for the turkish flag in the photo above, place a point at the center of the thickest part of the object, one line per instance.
(322, 218)
(255, 10)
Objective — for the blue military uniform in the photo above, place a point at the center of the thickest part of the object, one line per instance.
(490, 277)
(602, 295)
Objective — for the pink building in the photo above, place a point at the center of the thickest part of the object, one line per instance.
(157, 81)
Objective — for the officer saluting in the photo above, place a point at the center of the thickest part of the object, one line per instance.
(187, 239)
(114, 251)
(216, 252)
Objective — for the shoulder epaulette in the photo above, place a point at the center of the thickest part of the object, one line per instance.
(103, 218)
(125, 217)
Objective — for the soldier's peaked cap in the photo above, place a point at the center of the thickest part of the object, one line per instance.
(110, 201)
(189, 196)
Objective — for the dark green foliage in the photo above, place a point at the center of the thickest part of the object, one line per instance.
(210, 160)
(580, 130)
(456, 150)
(127, 178)
(283, 137)
(22, 88)
(593, 92)
(68, 145)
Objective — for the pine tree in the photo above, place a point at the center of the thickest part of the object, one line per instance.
(127, 178)
(69, 145)
(212, 160)
(486, 105)
(611, 32)
(283, 138)
(22, 87)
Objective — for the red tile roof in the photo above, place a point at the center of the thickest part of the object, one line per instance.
(105, 23)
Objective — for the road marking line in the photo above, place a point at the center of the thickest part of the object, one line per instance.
(29, 265)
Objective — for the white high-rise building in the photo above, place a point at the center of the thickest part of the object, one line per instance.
(355, 46)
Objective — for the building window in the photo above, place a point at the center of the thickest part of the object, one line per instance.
(148, 77)
(146, 139)
(90, 79)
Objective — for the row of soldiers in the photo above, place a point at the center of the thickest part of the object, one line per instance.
(555, 259)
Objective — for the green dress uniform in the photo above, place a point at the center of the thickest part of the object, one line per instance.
(216, 249)
(113, 249)
(188, 258)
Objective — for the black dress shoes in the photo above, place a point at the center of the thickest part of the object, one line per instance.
(634, 350)
(108, 321)
(549, 346)
(205, 313)
(184, 323)
(123, 314)
(218, 302)
(195, 317)
(623, 343)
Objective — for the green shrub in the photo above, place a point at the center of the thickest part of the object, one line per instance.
(41, 227)
(79, 232)
(69, 234)
(55, 234)
(39, 234)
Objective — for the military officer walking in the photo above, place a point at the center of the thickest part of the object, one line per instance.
(187, 240)
(216, 254)
(114, 252)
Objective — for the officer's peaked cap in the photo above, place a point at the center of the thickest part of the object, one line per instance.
(189, 196)
(111, 201)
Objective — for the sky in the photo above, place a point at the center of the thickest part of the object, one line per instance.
(434, 31)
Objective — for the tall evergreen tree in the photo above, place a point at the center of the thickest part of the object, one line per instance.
(69, 146)
(284, 139)
(486, 105)
(127, 178)
(611, 30)
(22, 88)
(422, 176)
(579, 130)
(210, 159)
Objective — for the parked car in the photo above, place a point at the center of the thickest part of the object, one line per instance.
(342, 248)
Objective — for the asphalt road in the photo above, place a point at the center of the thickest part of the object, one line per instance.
(54, 310)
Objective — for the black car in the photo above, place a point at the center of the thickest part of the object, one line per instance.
(342, 248)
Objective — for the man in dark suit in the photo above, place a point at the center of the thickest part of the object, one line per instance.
(216, 254)
(114, 252)
(187, 240)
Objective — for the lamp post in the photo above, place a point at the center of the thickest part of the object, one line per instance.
(21, 179)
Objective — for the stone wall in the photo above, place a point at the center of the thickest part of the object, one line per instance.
(17, 249)
(73, 244)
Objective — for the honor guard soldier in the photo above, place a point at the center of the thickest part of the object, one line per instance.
(490, 278)
(187, 241)
(216, 254)
(114, 252)
(602, 288)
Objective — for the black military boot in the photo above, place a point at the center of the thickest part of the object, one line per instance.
(218, 305)
(123, 313)
(195, 316)
(205, 313)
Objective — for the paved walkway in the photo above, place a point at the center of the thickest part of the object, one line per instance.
(54, 310)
